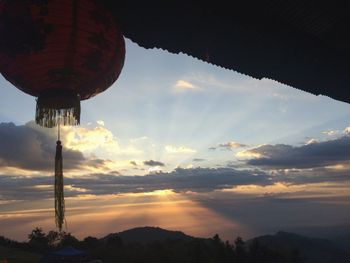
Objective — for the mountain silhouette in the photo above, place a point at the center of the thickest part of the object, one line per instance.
(343, 241)
(148, 234)
(154, 244)
(311, 250)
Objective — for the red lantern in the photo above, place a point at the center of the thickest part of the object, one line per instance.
(61, 51)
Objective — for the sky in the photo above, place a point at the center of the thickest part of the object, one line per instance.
(184, 145)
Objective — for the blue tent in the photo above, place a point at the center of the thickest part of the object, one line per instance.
(65, 255)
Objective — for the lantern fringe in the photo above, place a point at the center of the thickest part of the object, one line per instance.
(57, 106)
(59, 187)
(48, 117)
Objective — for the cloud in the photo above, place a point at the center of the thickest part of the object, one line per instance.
(28, 149)
(311, 141)
(101, 123)
(331, 132)
(313, 155)
(239, 195)
(133, 163)
(180, 180)
(33, 148)
(248, 154)
(195, 180)
(347, 130)
(315, 175)
(231, 145)
(153, 163)
(89, 139)
(184, 85)
(178, 149)
(212, 148)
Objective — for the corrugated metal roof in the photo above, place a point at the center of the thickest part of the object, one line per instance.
(304, 44)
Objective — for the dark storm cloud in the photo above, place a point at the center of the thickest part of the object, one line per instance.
(313, 155)
(180, 180)
(153, 163)
(33, 148)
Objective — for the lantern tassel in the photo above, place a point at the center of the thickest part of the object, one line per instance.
(59, 187)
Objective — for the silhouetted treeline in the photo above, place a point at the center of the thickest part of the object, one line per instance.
(5, 242)
(196, 250)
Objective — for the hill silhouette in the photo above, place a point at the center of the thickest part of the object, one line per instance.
(154, 244)
(343, 241)
(312, 250)
(149, 234)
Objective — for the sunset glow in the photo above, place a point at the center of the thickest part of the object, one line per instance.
(183, 145)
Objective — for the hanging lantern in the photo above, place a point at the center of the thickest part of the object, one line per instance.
(62, 52)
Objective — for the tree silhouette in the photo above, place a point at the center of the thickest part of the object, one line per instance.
(38, 240)
(68, 240)
(240, 250)
(90, 242)
(53, 239)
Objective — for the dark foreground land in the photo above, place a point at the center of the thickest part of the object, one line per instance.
(149, 244)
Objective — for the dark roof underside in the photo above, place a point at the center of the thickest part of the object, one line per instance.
(304, 44)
